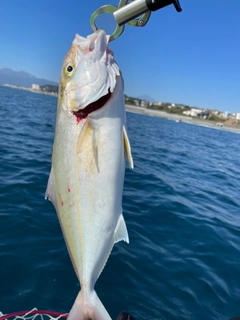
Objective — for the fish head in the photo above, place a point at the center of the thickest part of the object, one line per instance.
(89, 72)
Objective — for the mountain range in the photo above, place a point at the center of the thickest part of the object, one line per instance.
(21, 78)
(25, 79)
(147, 98)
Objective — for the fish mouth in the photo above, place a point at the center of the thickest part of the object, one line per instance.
(93, 106)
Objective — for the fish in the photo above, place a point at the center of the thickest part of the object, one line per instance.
(90, 151)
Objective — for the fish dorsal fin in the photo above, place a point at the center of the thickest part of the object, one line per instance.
(50, 192)
(120, 232)
(85, 138)
(127, 148)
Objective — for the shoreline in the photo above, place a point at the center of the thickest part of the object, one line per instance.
(29, 89)
(180, 118)
(151, 113)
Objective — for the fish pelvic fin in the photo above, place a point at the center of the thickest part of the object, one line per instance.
(88, 309)
(127, 148)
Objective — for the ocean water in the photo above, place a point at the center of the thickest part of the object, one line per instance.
(181, 205)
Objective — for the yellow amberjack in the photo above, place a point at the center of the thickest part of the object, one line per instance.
(88, 164)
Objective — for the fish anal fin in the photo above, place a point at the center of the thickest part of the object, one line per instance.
(50, 192)
(127, 148)
(121, 232)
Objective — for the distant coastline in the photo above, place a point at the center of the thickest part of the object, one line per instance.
(180, 118)
(29, 89)
(150, 112)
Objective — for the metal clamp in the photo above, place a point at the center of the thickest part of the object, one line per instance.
(126, 13)
(111, 9)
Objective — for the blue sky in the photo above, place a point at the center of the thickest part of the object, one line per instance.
(192, 57)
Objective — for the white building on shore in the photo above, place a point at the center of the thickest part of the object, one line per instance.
(36, 87)
(195, 112)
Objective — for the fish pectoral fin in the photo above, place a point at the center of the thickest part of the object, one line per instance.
(50, 192)
(87, 142)
(127, 148)
(85, 138)
(121, 232)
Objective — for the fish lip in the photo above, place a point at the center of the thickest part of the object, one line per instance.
(93, 106)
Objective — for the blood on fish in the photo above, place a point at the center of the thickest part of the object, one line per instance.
(69, 189)
(96, 105)
(61, 202)
(109, 51)
(79, 119)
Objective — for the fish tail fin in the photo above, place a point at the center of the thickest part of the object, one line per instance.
(92, 309)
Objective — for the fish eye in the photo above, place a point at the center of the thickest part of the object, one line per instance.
(69, 70)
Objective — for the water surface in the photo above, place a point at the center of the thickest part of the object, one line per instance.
(181, 206)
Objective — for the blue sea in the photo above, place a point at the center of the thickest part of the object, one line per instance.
(181, 204)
